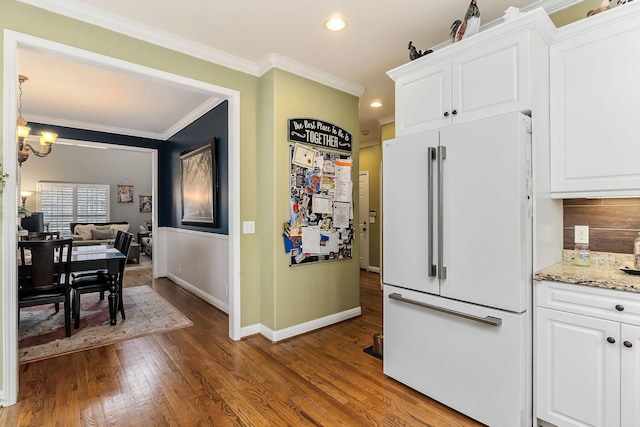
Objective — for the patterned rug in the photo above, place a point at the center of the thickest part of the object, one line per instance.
(41, 331)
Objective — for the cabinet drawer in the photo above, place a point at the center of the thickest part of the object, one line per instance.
(607, 304)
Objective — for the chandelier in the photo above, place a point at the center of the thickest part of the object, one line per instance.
(46, 138)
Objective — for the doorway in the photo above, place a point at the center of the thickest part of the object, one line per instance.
(363, 217)
(14, 41)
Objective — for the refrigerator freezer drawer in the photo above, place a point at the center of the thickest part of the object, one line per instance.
(471, 358)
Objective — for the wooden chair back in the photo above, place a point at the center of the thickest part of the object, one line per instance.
(123, 242)
(45, 265)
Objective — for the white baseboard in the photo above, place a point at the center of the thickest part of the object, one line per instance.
(221, 305)
(373, 269)
(302, 328)
(247, 331)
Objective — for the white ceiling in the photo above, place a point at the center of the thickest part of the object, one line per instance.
(249, 36)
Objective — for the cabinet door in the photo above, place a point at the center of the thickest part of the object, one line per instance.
(594, 112)
(630, 376)
(578, 369)
(492, 79)
(423, 99)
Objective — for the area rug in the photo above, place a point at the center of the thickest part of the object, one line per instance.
(41, 331)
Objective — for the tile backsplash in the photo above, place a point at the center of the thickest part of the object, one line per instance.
(613, 223)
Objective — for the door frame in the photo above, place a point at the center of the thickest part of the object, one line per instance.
(368, 226)
(13, 41)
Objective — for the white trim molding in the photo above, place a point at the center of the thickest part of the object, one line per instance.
(112, 22)
(12, 42)
(305, 327)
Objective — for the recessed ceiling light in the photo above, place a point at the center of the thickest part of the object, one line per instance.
(376, 104)
(336, 24)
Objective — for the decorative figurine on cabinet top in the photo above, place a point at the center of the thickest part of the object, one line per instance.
(467, 27)
(415, 54)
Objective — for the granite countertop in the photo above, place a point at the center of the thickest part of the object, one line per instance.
(604, 272)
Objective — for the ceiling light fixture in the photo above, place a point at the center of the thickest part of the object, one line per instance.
(46, 138)
(376, 104)
(336, 24)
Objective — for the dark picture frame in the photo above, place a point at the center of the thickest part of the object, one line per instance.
(146, 203)
(199, 185)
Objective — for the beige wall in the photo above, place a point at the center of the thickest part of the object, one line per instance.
(72, 163)
(574, 13)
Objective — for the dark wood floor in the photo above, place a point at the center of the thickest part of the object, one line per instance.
(197, 376)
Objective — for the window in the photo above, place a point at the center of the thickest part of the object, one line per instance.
(63, 203)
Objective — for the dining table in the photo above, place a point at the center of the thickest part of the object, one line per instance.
(101, 257)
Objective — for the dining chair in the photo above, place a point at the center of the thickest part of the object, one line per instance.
(44, 274)
(42, 235)
(101, 280)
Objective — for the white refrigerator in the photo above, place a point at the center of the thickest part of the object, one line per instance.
(457, 266)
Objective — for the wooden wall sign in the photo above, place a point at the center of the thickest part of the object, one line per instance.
(320, 133)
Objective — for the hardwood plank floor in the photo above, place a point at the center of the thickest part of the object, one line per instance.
(197, 376)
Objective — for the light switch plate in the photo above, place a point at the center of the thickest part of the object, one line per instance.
(248, 227)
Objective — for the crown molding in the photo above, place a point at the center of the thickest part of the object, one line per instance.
(386, 120)
(56, 121)
(551, 6)
(198, 112)
(185, 121)
(112, 22)
(274, 60)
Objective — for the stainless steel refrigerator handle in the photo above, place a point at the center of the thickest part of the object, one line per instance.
(442, 270)
(431, 152)
(488, 320)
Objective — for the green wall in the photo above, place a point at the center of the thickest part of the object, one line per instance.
(272, 294)
(294, 295)
(370, 158)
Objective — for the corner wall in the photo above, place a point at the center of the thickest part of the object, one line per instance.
(309, 294)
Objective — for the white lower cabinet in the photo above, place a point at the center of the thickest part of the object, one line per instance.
(630, 377)
(587, 357)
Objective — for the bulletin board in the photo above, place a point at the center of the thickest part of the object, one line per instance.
(320, 227)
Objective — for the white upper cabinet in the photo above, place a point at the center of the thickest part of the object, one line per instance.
(595, 105)
(486, 75)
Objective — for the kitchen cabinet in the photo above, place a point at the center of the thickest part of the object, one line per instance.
(487, 75)
(587, 343)
(595, 95)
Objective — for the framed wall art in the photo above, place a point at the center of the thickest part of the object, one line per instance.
(125, 193)
(145, 203)
(200, 186)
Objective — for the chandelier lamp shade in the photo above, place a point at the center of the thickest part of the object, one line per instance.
(24, 195)
(46, 138)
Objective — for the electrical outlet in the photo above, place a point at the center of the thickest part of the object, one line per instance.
(582, 234)
(179, 266)
(226, 289)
